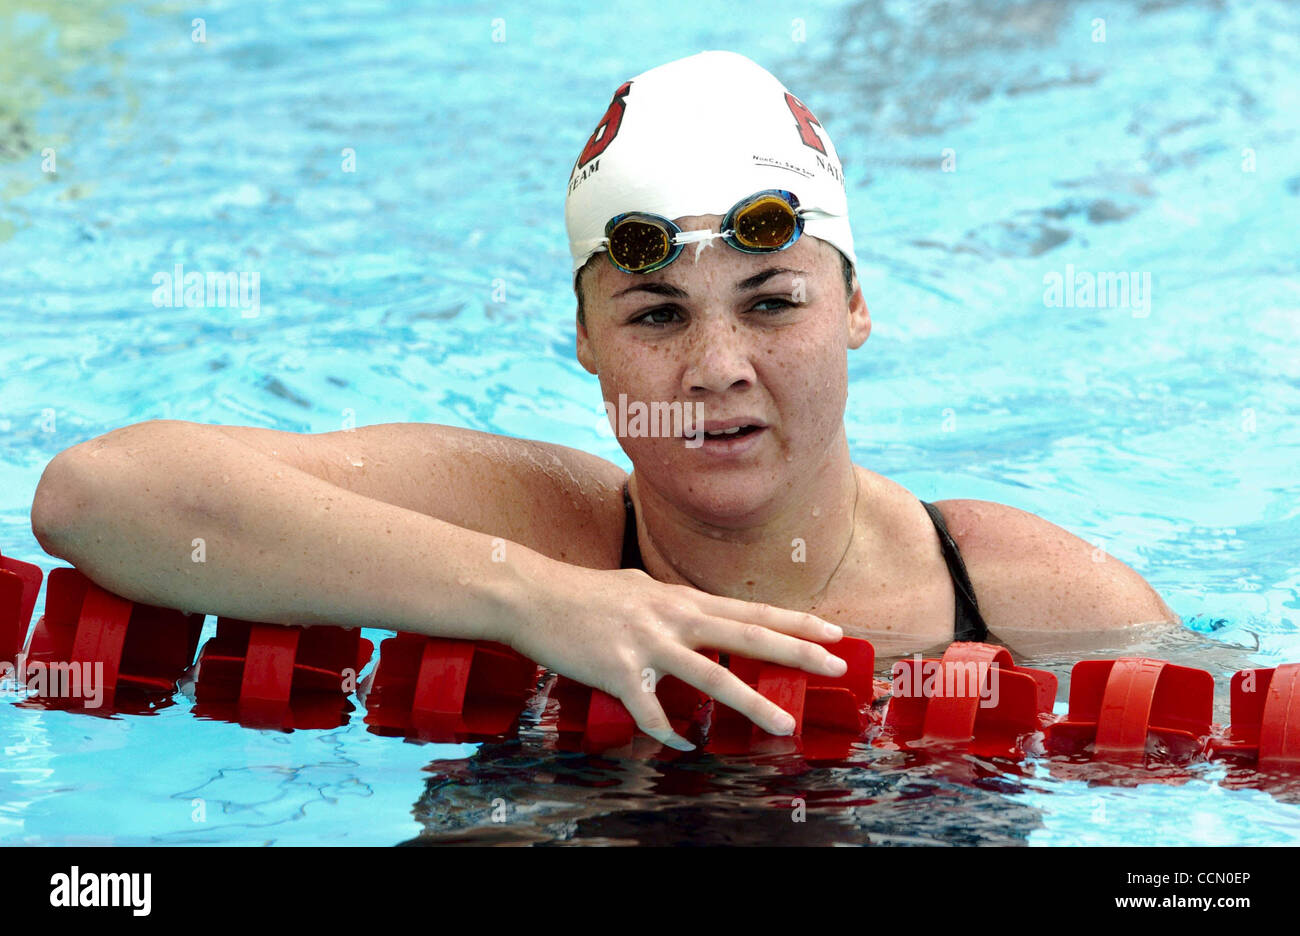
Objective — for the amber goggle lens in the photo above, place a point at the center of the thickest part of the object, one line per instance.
(766, 224)
(637, 244)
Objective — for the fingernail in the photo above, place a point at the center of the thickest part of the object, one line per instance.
(784, 725)
(678, 743)
(834, 631)
(835, 666)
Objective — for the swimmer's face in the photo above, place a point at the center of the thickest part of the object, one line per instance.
(762, 337)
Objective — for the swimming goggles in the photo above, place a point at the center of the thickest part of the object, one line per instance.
(764, 222)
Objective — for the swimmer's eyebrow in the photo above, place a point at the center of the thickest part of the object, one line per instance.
(656, 289)
(758, 279)
(746, 285)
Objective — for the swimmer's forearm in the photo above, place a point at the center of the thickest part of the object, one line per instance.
(185, 519)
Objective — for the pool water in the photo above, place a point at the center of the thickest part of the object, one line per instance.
(988, 151)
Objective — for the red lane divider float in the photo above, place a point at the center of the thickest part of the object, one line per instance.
(98, 650)
(274, 675)
(447, 690)
(974, 700)
(1265, 729)
(830, 712)
(592, 720)
(20, 583)
(1127, 709)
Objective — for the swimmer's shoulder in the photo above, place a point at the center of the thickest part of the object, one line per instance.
(1030, 575)
(560, 501)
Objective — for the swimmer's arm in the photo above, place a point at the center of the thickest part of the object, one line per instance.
(564, 503)
(135, 509)
(1034, 579)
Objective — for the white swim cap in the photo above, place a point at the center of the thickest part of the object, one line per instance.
(694, 137)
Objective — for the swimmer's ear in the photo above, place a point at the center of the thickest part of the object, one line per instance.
(585, 357)
(859, 317)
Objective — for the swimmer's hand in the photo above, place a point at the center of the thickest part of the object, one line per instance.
(622, 631)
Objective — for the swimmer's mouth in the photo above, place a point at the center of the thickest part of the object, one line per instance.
(732, 429)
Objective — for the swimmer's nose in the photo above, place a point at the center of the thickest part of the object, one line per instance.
(717, 359)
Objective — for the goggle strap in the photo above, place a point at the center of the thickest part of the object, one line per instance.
(692, 237)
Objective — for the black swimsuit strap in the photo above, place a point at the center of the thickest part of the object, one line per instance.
(969, 624)
(631, 548)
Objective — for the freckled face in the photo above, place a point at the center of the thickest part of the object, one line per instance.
(744, 345)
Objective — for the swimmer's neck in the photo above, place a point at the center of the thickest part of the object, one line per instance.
(786, 556)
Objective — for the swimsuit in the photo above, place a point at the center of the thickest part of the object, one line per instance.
(968, 624)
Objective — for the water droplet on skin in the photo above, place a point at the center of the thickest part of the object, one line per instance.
(357, 462)
(462, 580)
(225, 479)
(817, 511)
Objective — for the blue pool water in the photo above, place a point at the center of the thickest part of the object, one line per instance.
(1166, 433)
